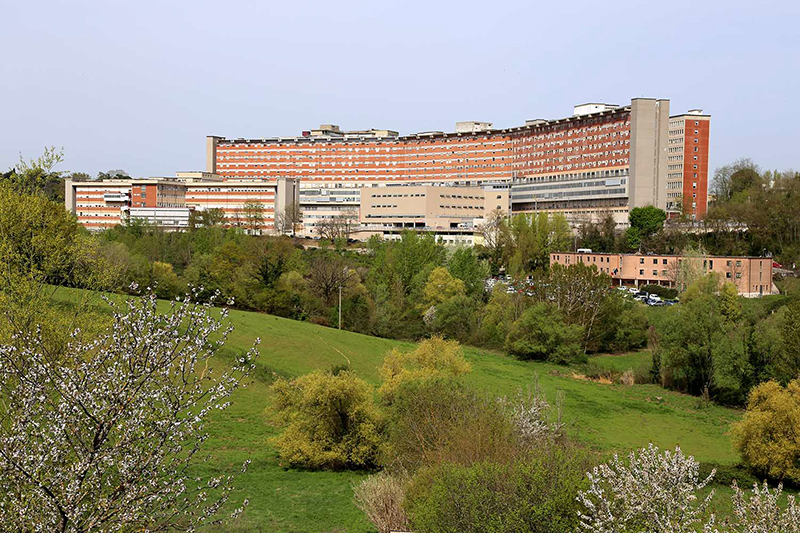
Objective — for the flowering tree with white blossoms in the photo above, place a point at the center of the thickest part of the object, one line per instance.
(760, 513)
(651, 492)
(102, 437)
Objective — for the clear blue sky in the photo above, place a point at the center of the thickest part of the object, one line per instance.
(138, 85)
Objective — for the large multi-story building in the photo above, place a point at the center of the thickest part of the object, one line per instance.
(602, 159)
(687, 164)
(751, 275)
(168, 201)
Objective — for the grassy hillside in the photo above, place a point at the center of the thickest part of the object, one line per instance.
(607, 417)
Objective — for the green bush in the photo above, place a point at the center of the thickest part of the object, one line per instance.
(767, 436)
(438, 420)
(331, 421)
(540, 333)
(536, 493)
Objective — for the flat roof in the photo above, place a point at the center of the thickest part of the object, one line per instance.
(666, 255)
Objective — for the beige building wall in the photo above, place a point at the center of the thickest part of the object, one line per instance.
(426, 206)
(751, 275)
(211, 154)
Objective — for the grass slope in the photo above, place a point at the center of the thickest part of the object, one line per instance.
(607, 417)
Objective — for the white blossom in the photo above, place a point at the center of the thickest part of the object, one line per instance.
(102, 436)
(653, 492)
(760, 513)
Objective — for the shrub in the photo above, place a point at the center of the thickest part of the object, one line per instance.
(766, 437)
(434, 357)
(380, 497)
(540, 333)
(627, 378)
(441, 420)
(761, 512)
(455, 318)
(331, 421)
(536, 493)
(652, 491)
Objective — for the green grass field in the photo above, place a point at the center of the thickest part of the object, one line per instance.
(607, 417)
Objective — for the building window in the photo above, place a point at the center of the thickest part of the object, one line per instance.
(655, 272)
(664, 261)
(738, 275)
(641, 260)
(641, 272)
(738, 263)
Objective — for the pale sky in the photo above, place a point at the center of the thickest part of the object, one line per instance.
(139, 85)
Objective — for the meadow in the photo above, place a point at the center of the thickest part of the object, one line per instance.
(606, 417)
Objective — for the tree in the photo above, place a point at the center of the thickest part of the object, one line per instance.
(330, 419)
(693, 335)
(790, 354)
(502, 310)
(253, 213)
(100, 437)
(722, 183)
(36, 176)
(455, 318)
(540, 333)
(766, 437)
(327, 273)
(760, 512)
(653, 491)
(337, 227)
(289, 220)
(433, 358)
(441, 286)
(396, 264)
(687, 270)
(208, 218)
(116, 174)
(465, 265)
(42, 247)
(644, 222)
(580, 291)
(492, 230)
(530, 238)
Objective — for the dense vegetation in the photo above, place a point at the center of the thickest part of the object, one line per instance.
(449, 426)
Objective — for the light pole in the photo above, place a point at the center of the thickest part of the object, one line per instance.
(345, 277)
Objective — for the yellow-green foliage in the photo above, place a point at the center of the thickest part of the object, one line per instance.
(441, 286)
(433, 358)
(767, 437)
(42, 246)
(331, 421)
